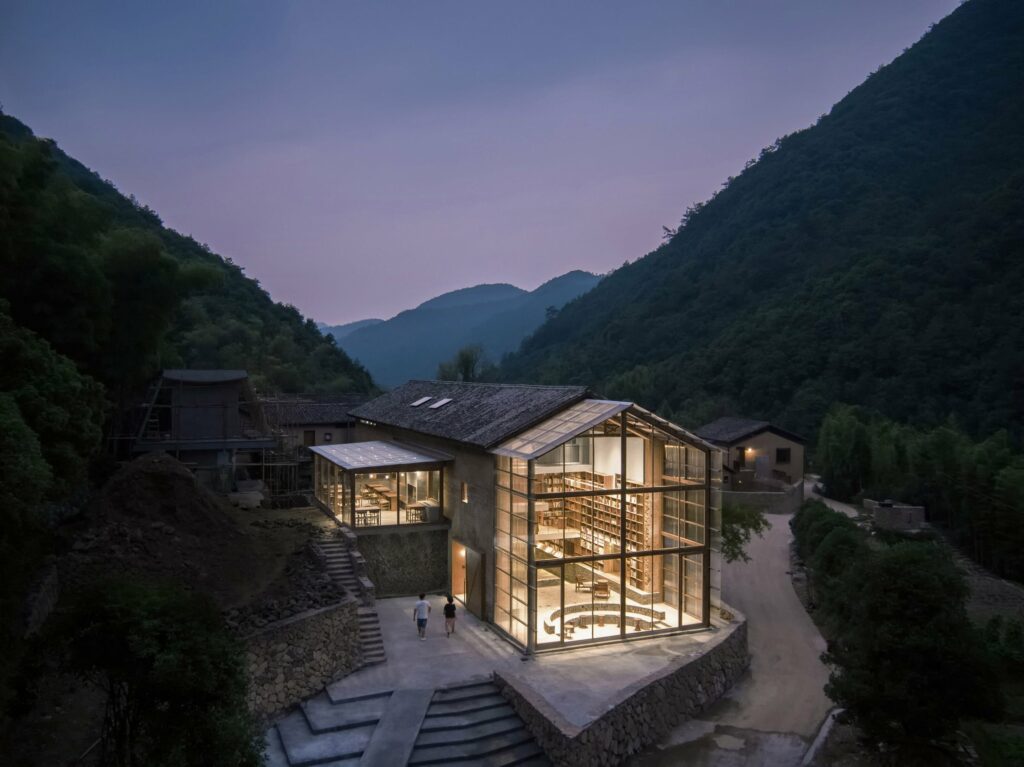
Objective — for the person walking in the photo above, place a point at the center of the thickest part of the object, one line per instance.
(449, 617)
(420, 613)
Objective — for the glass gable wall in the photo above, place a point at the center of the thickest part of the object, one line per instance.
(604, 535)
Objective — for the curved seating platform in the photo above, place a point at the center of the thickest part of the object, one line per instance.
(582, 615)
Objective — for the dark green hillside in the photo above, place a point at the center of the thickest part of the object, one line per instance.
(875, 258)
(100, 278)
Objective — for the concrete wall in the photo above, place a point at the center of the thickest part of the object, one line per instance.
(898, 516)
(205, 411)
(293, 659)
(472, 523)
(765, 444)
(643, 713)
(406, 560)
(783, 502)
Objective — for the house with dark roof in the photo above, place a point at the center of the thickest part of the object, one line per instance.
(210, 420)
(756, 451)
(304, 423)
(560, 517)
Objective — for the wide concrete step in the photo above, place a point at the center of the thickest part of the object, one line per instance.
(465, 705)
(303, 747)
(469, 718)
(324, 715)
(466, 691)
(471, 733)
(472, 750)
(274, 755)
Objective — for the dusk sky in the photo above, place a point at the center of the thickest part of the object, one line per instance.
(359, 158)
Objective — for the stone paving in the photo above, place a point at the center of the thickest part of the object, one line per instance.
(579, 683)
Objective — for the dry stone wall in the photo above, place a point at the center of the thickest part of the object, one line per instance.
(292, 659)
(401, 563)
(645, 712)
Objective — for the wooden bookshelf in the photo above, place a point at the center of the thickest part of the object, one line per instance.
(599, 521)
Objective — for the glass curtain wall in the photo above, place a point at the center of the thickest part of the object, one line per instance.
(603, 536)
(375, 498)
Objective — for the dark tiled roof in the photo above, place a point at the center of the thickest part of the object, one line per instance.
(296, 413)
(727, 430)
(479, 414)
(205, 376)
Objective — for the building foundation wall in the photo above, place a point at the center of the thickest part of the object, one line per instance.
(643, 713)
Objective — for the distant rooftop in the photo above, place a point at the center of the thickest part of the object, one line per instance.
(378, 455)
(478, 414)
(729, 429)
(204, 376)
(292, 413)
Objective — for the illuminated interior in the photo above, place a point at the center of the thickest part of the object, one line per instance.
(601, 528)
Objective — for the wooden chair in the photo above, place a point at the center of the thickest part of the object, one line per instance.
(601, 590)
(583, 583)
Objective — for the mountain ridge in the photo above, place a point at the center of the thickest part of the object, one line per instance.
(497, 316)
(873, 258)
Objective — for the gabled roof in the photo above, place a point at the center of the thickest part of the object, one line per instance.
(300, 413)
(478, 414)
(559, 428)
(204, 376)
(728, 430)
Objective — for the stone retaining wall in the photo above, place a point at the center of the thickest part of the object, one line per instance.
(781, 502)
(644, 713)
(401, 562)
(292, 659)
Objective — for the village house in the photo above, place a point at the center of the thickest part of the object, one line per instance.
(756, 452)
(559, 517)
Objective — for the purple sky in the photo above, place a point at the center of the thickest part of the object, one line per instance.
(360, 157)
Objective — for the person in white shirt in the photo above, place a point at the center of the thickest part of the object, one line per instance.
(420, 613)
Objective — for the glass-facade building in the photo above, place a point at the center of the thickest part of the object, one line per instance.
(375, 484)
(569, 522)
(603, 524)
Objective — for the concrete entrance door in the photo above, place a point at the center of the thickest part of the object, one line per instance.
(468, 578)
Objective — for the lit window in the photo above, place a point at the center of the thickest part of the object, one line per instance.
(441, 403)
(465, 493)
(420, 401)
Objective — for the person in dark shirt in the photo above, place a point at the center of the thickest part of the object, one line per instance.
(449, 617)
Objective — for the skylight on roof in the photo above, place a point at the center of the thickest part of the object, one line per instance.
(440, 403)
(419, 402)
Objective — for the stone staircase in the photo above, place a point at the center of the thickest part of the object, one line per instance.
(338, 559)
(325, 731)
(470, 725)
(474, 725)
(339, 563)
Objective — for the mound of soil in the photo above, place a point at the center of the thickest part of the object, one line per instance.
(153, 518)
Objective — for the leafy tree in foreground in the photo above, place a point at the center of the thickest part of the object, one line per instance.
(908, 663)
(174, 678)
(739, 524)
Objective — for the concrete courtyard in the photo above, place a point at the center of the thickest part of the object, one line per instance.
(581, 684)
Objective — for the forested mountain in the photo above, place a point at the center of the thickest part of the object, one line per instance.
(496, 317)
(876, 258)
(100, 278)
(340, 331)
